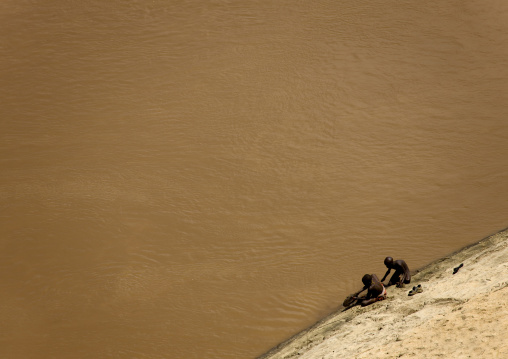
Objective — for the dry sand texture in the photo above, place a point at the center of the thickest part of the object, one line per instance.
(462, 315)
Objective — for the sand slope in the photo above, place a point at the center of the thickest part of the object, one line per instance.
(461, 315)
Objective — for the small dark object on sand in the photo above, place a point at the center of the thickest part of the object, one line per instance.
(456, 269)
(415, 290)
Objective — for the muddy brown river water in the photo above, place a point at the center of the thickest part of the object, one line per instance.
(204, 179)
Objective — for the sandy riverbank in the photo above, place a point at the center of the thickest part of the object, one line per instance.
(462, 315)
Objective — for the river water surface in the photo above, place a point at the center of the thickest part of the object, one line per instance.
(204, 179)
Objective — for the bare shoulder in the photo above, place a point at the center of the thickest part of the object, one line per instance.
(400, 263)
